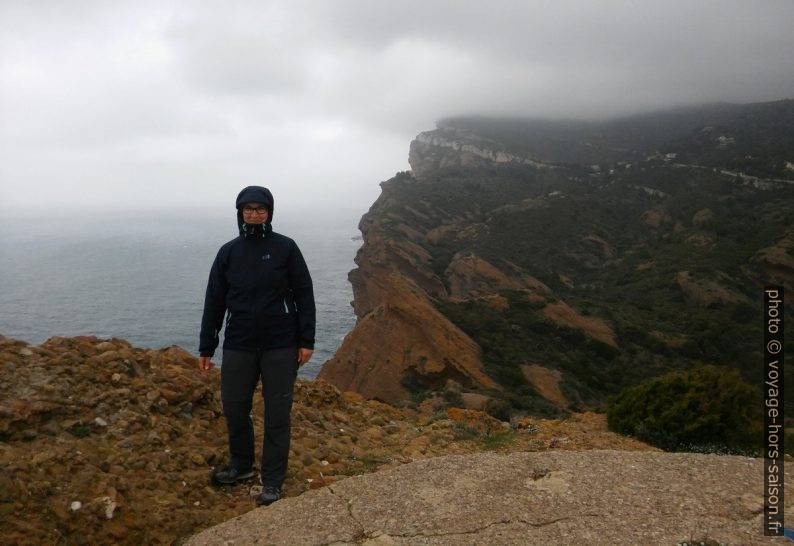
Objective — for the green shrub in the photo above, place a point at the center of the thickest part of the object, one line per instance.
(80, 430)
(703, 406)
(453, 398)
(499, 409)
(495, 440)
(462, 431)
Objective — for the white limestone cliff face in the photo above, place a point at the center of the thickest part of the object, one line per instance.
(431, 150)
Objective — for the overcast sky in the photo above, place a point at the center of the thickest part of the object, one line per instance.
(138, 104)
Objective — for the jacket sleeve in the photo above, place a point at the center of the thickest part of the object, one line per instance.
(303, 291)
(214, 309)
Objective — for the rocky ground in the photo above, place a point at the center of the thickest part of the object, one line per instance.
(594, 497)
(101, 442)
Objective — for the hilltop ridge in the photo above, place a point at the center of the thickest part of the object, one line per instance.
(534, 267)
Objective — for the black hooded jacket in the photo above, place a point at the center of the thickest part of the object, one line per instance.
(260, 281)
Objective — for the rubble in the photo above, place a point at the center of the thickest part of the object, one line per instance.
(102, 442)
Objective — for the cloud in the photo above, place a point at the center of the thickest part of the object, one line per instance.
(398, 65)
(247, 48)
(576, 59)
(143, 103)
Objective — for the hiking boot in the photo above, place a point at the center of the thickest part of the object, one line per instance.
(269, 495)
(228, 475)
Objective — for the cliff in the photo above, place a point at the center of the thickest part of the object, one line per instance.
(533, 268)
(393, 287)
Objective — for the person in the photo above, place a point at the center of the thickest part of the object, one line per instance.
(260, 282)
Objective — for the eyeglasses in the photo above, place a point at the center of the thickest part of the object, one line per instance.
(257, 210)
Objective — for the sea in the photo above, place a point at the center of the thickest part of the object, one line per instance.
(142, 276)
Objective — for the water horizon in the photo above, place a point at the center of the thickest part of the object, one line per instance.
(141, 276)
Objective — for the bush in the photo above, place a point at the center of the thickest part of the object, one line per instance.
(499, 409)
(703, 406)
(80, 430)
(498, 439)
(453, 398)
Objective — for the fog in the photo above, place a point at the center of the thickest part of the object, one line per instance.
(119, 106)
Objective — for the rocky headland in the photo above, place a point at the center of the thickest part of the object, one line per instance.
(542, 267)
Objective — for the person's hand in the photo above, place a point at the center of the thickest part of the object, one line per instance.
(304, 355)
(205, 363)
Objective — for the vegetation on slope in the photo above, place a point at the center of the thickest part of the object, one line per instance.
(665, 249)
(706, 408)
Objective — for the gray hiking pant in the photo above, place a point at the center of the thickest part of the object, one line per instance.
(240, 372)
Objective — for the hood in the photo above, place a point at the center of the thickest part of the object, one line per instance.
(254, 194)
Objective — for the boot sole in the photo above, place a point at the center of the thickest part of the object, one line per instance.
(242, 477)
(266, 503)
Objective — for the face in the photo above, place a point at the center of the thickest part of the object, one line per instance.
(254, 213)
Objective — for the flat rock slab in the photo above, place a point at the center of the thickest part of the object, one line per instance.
(550, 497)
